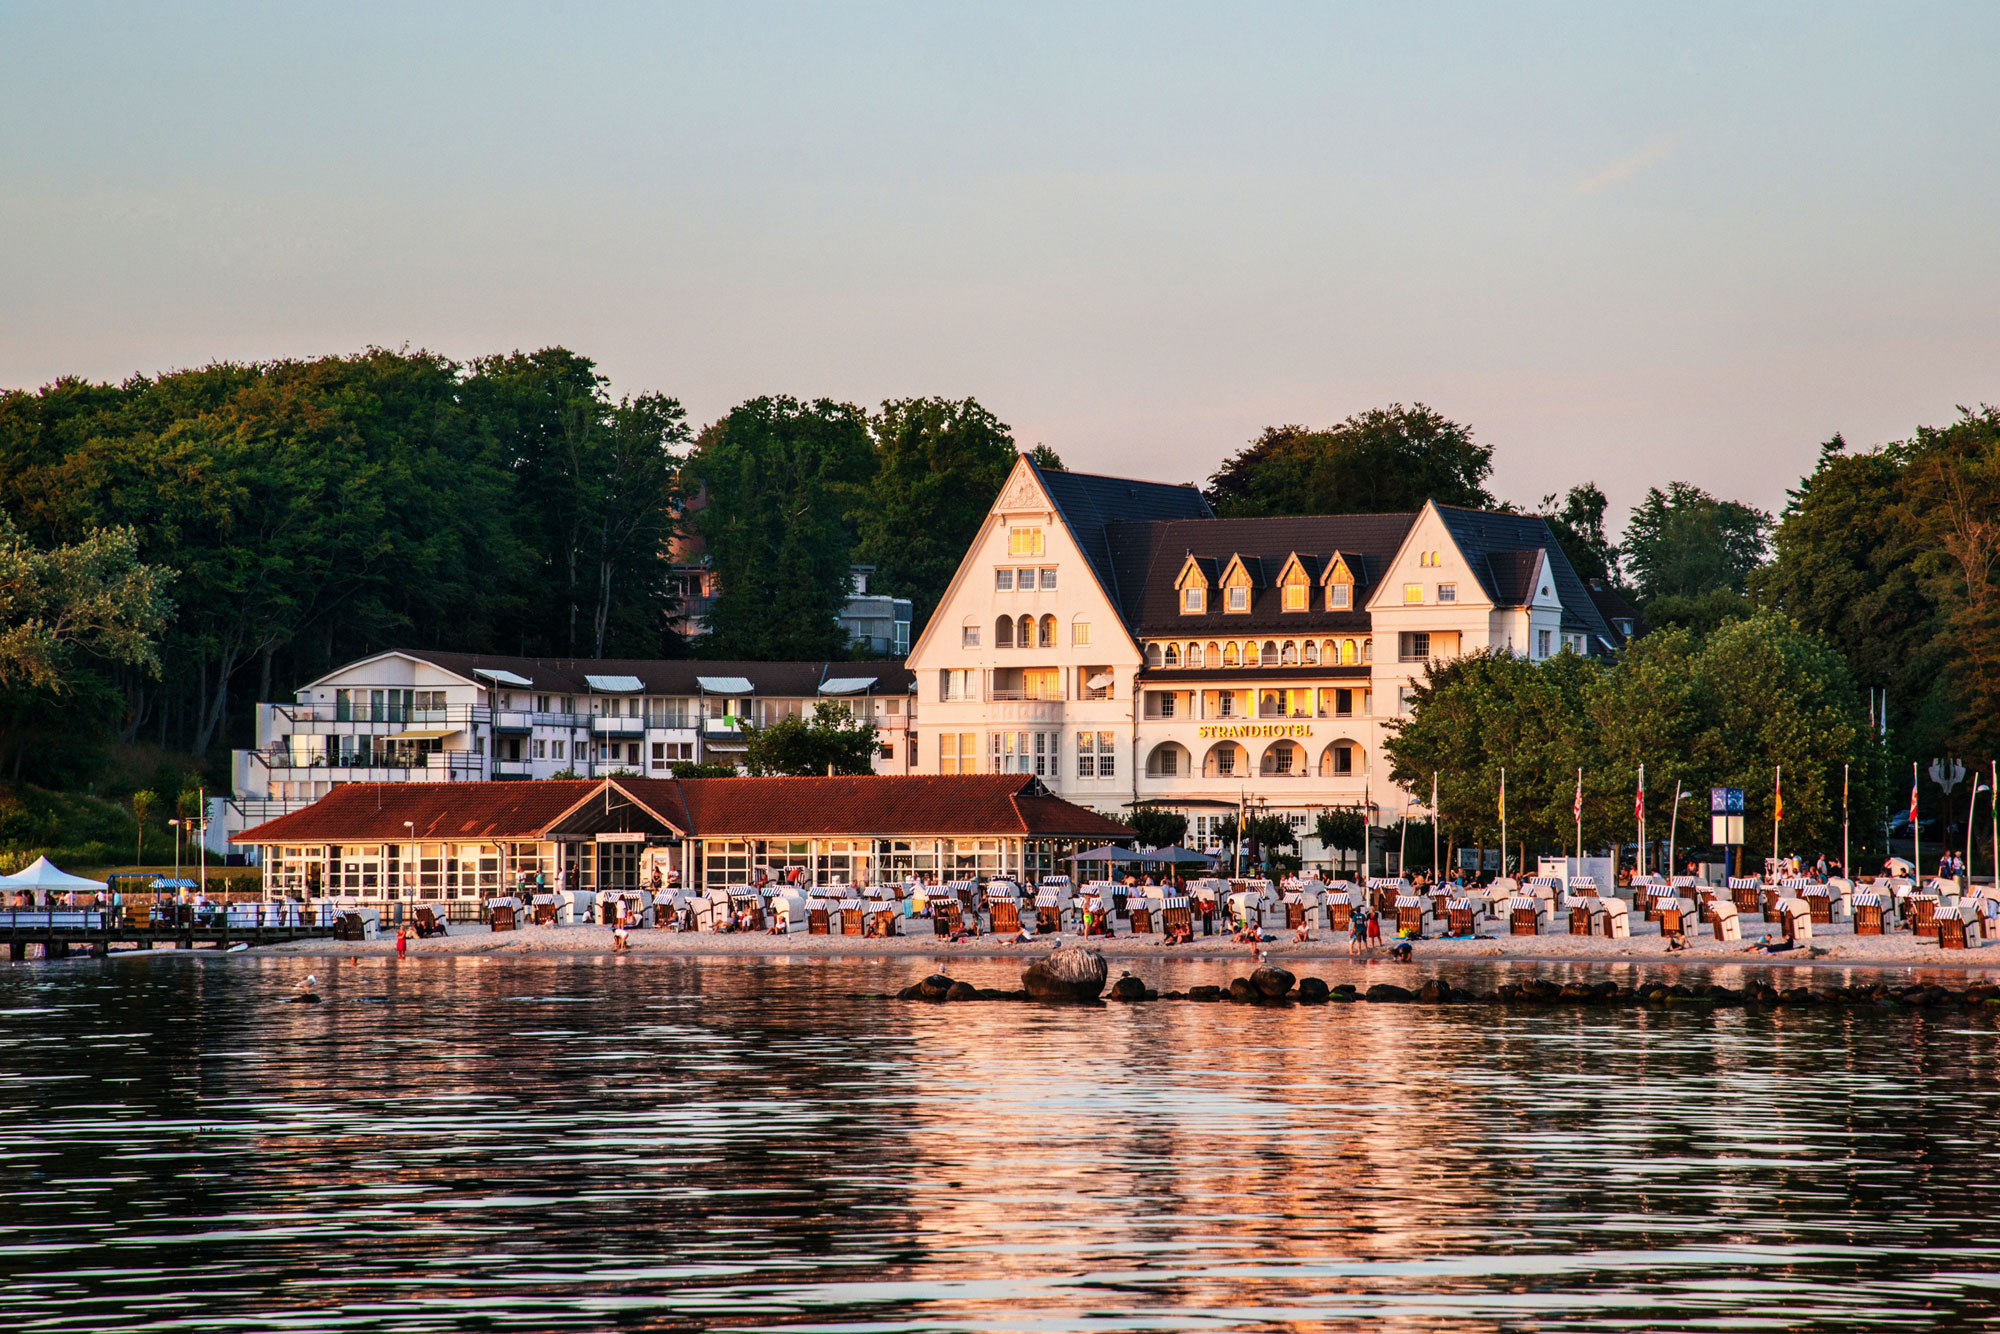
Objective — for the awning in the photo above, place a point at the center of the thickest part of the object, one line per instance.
(614, 685)
(43, 874)
(725, 685)
(423, 734)
(845, 685)
(503, 677)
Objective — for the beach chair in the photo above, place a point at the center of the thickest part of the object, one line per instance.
(1724, 919)
(1177, 917)
(853, 917)
(1923, 913)
(819, 917)
(946, 916)
(1579, 917)
(1614, 918)
(1049, 912)
(1583, 886)
(1767, 904)
(1743, 893)
(1004, 912)
(1673, 915)
(1461, 919)
(1413, 915)
(1524, 916)
(547, 907)
(1795, 917)
(1868, 914)
(1958, 927)
(428, 923)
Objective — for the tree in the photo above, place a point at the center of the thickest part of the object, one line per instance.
(1685, 541)
(1046, 459)
(143, 803)
(1342, 829)
(831, 742)
(93, 596)
(1155, 826)
(1578, 525)
(782, 479)
(1385, 460)
(937, 466)
(692, 770)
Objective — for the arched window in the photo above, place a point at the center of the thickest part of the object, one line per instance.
(1168, 760)
(1342, 759)
(1048, 632)
(1367, 650)
(1288, 656)
(1173, 655)
(1003, 632)
(1312, 652)
(1229, 654)
(1026, 632)
(1270, 653)
(1214, 656)
(1193, 658)
(1350, 653)
(1225, 759)
(1282, 760)
(1152, 655)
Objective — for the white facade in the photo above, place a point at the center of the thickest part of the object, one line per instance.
(1215, 684)
(415, 717)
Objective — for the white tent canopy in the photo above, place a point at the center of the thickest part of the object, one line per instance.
(46, 876)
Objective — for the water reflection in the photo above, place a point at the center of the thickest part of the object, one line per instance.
(645, 1143)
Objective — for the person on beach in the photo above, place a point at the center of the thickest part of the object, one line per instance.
(1357, 933)
(619, 942)
(402, 941)
(1374, 931)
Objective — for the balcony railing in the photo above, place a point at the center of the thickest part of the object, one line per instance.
(455, 765)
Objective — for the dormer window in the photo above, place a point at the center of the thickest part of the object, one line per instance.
(1295, 593)
(1340, 597)
(1239, 598)
(1194, 601)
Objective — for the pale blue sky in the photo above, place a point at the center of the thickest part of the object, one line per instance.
(1631, 243)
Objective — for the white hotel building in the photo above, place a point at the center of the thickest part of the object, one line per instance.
(1120, 642)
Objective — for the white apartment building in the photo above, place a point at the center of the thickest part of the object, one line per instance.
(409, 716)
(1124, 645)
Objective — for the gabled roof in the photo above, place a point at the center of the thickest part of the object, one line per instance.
(1480, 534)
(1088, 504)
(1512, 576)
(931, 805)
(1150, 556)
(1208, 567)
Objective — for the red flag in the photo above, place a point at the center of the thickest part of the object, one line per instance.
(1639, 799)
(1577, 808)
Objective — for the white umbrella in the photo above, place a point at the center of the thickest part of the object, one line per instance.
(43, 877)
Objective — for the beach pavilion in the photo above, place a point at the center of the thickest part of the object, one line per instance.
(386, 842)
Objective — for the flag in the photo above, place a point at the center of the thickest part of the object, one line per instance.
(1503, 796)
(1779, 812)
(1639, 800)
(1577, 807)
(1913, 796)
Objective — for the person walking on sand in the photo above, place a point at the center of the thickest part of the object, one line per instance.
(1357, 933)
(402, 941)
(1374, 931)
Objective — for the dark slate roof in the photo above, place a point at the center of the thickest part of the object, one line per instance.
(1613, 607)
(1481, 535)
(1089, 504)
(674, 676)
(1511, 576)
(1149, 556)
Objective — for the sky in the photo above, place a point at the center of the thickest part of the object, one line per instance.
(1625, 243)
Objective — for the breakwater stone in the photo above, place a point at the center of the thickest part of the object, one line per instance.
(1066, 974)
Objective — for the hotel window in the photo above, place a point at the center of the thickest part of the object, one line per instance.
(1079, 634)
(1046, 758)
(1367, 650)
(1173, 655)
(1405, 697)
(968, 636)
(1229, 655)
(1225, 760)
(1225, 704)
(1159, 703)
(1270, 656)
(958, 753)
(555, 750)
(1024, 541)
(1003, 581)
(1024, 580)
(1413, 592)
(1312, 653)
(1541, 643)
(1413, 646)
(1193, 601)
(1097, 754)
(1153, 656)
(1086, 754)
(957, 683)
(1340, 597)
(1003, 632)
(1048, 632)
(1239, 598)
(1048, 579)
(1447, 592)
(1195, 656)
(1288, 656)
(541, 749)
(659, 754)
(1295, 593)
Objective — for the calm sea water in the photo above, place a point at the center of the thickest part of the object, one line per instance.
(649, 1144)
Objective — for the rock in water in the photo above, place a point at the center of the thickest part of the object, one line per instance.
(1067, 973)
(1312, 990)
(1273, 982)
(935, 987)
(961, 991)
(1128, 988)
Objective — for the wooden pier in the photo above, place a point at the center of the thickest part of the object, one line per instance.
(63, 932)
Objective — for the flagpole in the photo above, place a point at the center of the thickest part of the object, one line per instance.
(1641, 813)
(1777, 812)
(1916, 834)
(1503, 822)
(1437, 872)
(1995, 804)
(1579, 821)
(1673, 827)
(1845, 869)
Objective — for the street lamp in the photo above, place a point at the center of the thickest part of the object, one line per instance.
(176, 824)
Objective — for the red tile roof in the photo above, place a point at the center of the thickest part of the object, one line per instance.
(951, 805)
(441, 812)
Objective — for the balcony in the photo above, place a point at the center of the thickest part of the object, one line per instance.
(370, 767)
(608, 726)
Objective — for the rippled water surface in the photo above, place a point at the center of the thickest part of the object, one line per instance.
(652, 1144)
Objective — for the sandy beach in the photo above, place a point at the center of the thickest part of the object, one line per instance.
(1898, 950)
